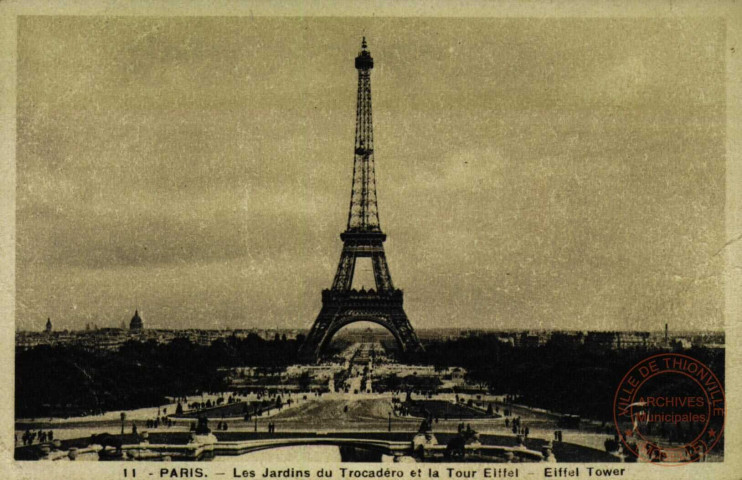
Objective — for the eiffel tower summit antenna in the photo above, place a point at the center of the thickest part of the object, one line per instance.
(362, 238)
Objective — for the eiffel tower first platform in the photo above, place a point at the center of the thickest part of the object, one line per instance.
(363, 237)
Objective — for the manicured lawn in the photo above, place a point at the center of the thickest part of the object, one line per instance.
(443, 409)
(230, 410)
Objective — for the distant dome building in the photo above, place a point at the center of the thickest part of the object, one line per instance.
(136, 323)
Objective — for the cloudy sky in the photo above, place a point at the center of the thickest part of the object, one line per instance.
(532, 173)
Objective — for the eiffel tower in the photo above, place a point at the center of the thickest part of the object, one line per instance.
(363, 237)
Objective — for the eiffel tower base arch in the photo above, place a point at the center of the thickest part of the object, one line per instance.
(341, 308)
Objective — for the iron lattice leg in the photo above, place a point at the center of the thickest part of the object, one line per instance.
(346, 269)
(381, 272)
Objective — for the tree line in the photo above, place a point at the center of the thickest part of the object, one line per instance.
(69, 380)
(577, 379)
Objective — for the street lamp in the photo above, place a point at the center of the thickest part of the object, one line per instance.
(390, 421)
(123, 418)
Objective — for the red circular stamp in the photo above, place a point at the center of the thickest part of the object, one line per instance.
(669, 409)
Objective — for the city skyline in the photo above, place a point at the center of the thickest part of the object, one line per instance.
(123, 325)
(530, 172)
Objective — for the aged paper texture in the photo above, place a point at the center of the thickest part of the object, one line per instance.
(370, 240)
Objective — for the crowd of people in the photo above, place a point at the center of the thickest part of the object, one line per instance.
(159, 421)
(517, 426)
(222, 426)
(29, 437)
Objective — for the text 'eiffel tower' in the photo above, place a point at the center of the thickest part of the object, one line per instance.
(363, 237)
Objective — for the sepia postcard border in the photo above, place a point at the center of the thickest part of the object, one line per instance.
(731, 11)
